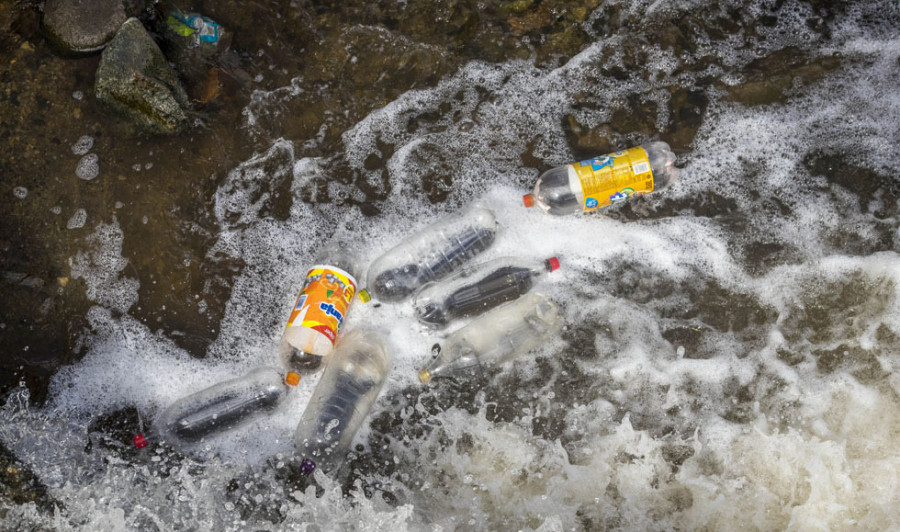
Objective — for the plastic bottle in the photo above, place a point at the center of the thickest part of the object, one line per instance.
(224, 406)
(351, 381)
(495, 337)
(317, 316)
(605, 180)
(478, 288)
(432, 254)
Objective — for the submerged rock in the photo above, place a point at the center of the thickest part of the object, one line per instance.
(82, 26)
(134, 79)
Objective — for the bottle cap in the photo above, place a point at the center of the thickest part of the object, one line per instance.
(553, 263)
(424, 376)
(307, 466)
(528, 200)
(139, 441)
(364, 295)
(292, 378)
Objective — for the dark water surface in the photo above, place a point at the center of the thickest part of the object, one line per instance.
(732, 344)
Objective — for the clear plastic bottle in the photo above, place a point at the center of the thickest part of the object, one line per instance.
(347, 390)
(317, 316)
(224, 406)
(605, 180)
(432, 253)
(477, 288)
(495, 337)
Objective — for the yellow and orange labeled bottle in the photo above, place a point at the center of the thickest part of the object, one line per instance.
(320, 310)
(602, 181)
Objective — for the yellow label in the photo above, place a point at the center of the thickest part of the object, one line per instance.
(614, 178)
(323, 301)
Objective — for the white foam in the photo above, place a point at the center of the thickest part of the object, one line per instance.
(88, 167)
(83, 145)
(78, 219)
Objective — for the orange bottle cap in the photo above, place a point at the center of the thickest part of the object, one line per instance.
(528, 200)
(292, 378)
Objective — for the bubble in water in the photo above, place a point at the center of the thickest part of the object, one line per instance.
(56, 209)
(77, 220)
(83, 145)
(20, 192)
(88, 167)
(78, 95)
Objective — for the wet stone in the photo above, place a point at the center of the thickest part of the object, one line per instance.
(135, 80)
(82, 26)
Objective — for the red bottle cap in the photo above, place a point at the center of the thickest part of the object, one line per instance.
(553, 263)
(528, 200)
(139, 441)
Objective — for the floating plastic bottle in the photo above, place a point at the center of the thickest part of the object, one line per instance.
(605, 180)
(317, 316)
(495, 337)
(478, 288)
(432, 254)
(351, 381)
(223, 406)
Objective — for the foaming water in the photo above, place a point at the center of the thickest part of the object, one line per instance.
(732, 345)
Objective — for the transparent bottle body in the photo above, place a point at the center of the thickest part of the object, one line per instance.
(477, 288)
(301, 348)
(222, 407)
(496, 337)
(432, 253)
(350, 383)
(558, 190)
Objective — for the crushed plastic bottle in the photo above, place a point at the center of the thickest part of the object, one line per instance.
(198, 27)
(605, 180)
(432, 254)
(348, 388)
(478, 288)
(318, 315)
(223, 406)
(495, 337)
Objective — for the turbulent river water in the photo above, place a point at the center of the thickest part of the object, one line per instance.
(731, 351)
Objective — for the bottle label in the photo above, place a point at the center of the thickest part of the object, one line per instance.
(323, 301)
(614, 178)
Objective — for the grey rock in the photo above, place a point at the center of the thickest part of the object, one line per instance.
(134, 79)
(82, 26)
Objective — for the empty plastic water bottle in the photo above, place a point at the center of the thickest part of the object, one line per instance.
(477, 288)
(432, 254)
(351, 381)
(224, 406)
(495, 337)
(605, 180)
(317, 316)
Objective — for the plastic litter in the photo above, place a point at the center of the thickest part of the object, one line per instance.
(605, 180)
(478, 288)
(495, 337)
(352, 379)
